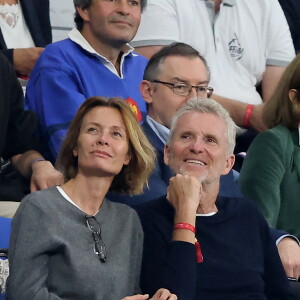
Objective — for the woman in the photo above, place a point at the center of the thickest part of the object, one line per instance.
(69, 242)
(271, 171)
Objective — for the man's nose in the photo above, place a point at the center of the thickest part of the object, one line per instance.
(123, 7)
(197, 145)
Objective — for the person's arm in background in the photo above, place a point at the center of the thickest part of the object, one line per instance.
(37, 17)
(21, 145)
(41, 172)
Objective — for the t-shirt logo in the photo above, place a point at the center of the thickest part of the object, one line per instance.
(134, 107)
(235, 49)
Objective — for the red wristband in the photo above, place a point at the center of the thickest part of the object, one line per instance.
(248, 114)
(199, 255)
(185, 226)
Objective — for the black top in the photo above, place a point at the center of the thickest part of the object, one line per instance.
(16, 125)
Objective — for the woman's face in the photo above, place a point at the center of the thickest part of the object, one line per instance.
(102, 146)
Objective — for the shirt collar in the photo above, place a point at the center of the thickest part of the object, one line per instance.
(161, 131)
(78, 38)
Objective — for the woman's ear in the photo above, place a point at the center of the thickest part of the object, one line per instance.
(75, 152)
(293, 95)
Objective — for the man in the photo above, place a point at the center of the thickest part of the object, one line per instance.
(198, 244)
(17, 142)
(172, 76)
(94, 60)
(244, 42)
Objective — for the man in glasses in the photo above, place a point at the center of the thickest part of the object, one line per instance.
(246, 43)
(172, 76)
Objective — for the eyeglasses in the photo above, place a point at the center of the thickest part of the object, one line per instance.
(184, 89)
(95, 228)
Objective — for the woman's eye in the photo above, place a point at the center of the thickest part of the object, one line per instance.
(92, 130)
(117, 133)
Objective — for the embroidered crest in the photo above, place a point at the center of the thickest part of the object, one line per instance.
(235, 49)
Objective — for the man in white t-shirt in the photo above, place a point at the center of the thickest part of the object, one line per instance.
(245, 43)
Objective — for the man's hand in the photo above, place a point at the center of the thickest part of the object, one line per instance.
(289, 252)
(164, 294)
(161, 294)
(44, 175)
(25, 58)
(184, 193)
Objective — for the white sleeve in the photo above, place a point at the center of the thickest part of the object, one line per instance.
(280, 48)
(159, 24)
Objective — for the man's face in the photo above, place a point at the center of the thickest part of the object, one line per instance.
(112, 22)
(198, 147)
(163, 103)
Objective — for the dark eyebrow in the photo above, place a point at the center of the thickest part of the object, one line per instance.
(185, 81)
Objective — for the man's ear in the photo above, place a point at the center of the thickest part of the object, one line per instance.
(167, 154)
(228, 164)
(83, 13)
(146, 91)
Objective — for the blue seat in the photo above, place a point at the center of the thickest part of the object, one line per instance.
(5, 227)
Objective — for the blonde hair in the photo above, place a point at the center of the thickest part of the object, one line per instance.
(134, 176)
(280, 109)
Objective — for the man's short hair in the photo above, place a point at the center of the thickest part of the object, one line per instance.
(204, 105)
(176, 49)
(84, 4)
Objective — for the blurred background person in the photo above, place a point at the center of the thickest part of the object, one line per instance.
(19, 145)
(271, 171)
(24, 30)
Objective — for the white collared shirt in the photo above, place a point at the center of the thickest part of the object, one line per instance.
(78, 38)
(161, 131)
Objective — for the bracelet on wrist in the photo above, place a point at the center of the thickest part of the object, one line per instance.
(185, 226)
(248, 115)
(36, 160)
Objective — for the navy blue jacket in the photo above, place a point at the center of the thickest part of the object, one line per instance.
(37, 18)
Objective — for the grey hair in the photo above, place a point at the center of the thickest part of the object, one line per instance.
(204, 105)
(86, 4)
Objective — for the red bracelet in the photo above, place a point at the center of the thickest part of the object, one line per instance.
(248, 114)
(185, 226)
(199, 255)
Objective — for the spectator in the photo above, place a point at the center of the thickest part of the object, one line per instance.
(24, 30)
(79, 254)
(17, 141)
(171, 77)
(233, 256)
(271, 172)
(291, 10)
(224, 33)
(94, 60)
